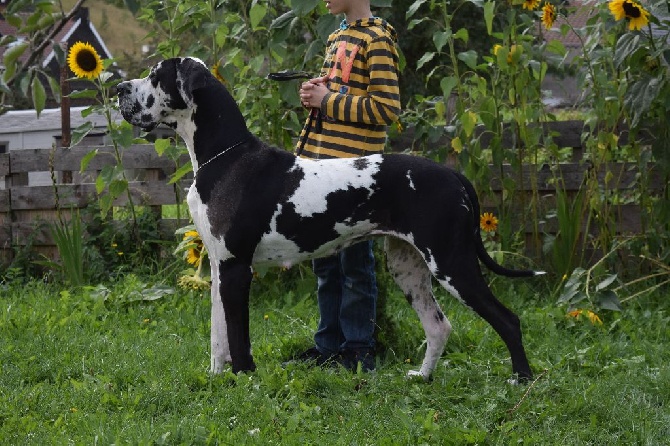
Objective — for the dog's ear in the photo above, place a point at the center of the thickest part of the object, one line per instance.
(194, 75)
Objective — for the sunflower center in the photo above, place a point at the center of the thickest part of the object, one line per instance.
(632, 10)
(86, 60)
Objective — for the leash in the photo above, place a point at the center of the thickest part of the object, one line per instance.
(288, 75)
(223, 152)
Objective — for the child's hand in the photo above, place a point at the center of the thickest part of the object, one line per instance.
(313, 91)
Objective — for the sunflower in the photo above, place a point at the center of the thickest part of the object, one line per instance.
(636, 15)
(194, 253)
(84, 61)
(548, 15)
(488, 222)
(217, 73)
(593, 317)
(530, 4)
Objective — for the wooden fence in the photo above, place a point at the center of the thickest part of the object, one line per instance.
(26, 210)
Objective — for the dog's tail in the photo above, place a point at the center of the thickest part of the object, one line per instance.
(483, 255)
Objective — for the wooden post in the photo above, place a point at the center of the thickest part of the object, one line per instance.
(66, 131)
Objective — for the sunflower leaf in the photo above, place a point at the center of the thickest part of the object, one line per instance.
(80, 132)
(413, 8)
(39, 95)
(83, 94)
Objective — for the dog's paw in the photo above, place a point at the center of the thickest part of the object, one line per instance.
(218, 364)
(417, 375)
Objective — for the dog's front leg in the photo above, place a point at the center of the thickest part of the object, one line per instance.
(234, 284)
(220, 353)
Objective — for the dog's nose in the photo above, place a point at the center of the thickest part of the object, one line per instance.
(123, 88)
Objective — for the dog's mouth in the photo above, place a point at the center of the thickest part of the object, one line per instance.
(135, 117)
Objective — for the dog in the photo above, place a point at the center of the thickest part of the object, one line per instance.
(254, 204)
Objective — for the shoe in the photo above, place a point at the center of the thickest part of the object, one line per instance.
(350, 358)
(312, 355)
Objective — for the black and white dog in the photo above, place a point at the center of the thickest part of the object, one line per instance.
(253, 204)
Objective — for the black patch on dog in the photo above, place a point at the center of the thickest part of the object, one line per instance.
(361, 163)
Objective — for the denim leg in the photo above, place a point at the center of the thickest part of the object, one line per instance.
(328, 336)
(359, 296)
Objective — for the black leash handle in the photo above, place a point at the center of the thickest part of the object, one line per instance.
(289, 75)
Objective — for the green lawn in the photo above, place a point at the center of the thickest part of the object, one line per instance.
(110, 365)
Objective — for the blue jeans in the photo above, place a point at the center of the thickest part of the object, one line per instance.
(347, 297)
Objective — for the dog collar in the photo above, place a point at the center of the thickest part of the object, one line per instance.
(223, 152)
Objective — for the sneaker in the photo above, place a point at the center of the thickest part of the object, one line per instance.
(312, 355)
(350, 358)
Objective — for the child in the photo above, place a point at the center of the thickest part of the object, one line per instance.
(352, 102)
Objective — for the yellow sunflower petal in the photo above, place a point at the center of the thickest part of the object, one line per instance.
(548, 15)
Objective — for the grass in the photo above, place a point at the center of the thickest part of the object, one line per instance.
(127, 364)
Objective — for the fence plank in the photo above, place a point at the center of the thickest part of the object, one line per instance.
(572, 175)
(142, 156)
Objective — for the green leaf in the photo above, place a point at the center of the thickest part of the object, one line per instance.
(606, 282)
(124, 134)
(181, 172)
(86, 159)
(556, 47)
(39, 95)
(161, 145)
(462, 34)
(424, 59)
(83, 94)
(468, 121)
(283, 20)
(106, 203)
(413, 8)
(80, 132)
(447, 84)
(117, 187)
(14, 52)
(470, 58)
(55, 88)
(257, 14)
(440, 39)
(415, 22)
(608, 300)
(105, 177)
(489, 8)
(626, 46)
(304, 7)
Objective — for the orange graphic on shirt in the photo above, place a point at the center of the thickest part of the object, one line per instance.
(346, 63)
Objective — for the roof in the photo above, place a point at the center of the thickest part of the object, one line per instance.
(18, 121)
(579, 12)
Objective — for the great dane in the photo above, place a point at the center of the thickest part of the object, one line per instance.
(259, 205)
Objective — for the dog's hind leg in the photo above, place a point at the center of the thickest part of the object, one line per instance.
(220, 353)
(463, 279)
(234, 285)
(410, 272)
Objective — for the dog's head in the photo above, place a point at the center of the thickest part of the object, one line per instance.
(165, 96)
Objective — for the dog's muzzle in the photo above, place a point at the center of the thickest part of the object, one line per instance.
(130, 107)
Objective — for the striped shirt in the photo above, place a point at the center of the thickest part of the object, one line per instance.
(362, 65)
